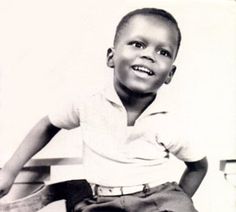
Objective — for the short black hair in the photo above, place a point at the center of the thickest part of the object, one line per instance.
(147, 12)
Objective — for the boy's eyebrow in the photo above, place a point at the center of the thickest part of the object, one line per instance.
(137, 37)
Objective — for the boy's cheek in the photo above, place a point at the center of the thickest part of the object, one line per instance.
(128, 53)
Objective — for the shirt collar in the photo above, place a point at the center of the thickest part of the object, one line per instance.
(112, 96)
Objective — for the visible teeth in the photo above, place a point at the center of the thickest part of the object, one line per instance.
(143, 69)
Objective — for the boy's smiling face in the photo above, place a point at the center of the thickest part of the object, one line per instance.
(144, 54)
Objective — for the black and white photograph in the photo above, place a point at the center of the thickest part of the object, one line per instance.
(118, 106)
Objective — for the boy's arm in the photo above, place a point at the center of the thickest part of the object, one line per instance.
(193, 176)
(36, 139)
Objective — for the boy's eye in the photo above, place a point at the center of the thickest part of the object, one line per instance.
(137, 44)
(165, 53)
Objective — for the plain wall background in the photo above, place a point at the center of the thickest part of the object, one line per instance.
(52, 49)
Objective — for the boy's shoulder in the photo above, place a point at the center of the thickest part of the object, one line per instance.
(89, 97)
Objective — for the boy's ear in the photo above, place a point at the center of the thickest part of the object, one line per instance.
(110, 55)
(171, 74)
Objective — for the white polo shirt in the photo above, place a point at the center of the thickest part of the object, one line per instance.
(119, 155)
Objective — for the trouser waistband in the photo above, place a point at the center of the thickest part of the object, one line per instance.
(99, 190)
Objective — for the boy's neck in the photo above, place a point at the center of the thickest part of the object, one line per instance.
(134, 103)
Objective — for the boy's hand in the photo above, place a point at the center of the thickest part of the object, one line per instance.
(6, 182)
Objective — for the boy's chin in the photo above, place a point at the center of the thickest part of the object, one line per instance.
(137, 89)
(142, 91)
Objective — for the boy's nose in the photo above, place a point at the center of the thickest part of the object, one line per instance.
(148, 54)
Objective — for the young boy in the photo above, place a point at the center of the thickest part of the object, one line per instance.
(127, 137)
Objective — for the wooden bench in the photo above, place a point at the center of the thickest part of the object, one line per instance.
(228, 167)
(30, 192)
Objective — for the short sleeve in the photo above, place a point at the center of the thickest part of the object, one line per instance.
(182, 142)
(66, 115)
(186, 149)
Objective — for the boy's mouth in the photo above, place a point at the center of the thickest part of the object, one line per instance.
(142, 71)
